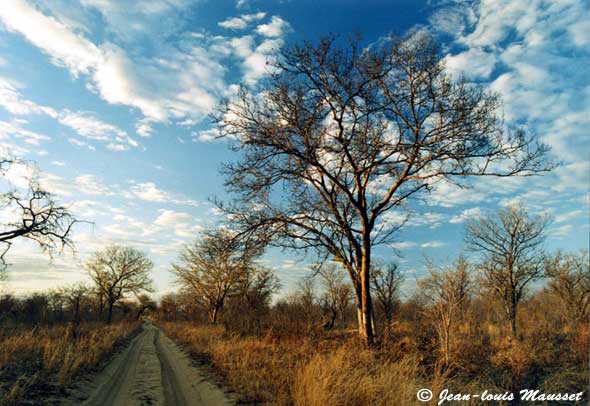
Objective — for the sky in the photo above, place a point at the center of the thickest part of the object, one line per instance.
(111, 99)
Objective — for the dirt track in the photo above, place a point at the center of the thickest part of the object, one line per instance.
(152, 370)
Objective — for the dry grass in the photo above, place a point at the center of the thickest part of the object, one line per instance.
(333, 370)
(43, 361)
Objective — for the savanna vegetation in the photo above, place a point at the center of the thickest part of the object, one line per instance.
(341, 137)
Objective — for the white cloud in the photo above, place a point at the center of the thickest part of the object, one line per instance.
(474, 63)
(85, 124)
(169, 218)
(63, 46)
(58, 163)
(446, 194)
(402, 245)
(56, 184)
(18, 140)
(81, 144)
(276, 28)
(433, 244)
(542, 89)
(241, 22)
(206, 135)
(561, 218)
(561, 231)
(89, 184)
(255, 58)
(465, 215)
(580, 33)
(149, 191)
(94, 129)
(119, 78)
(12, 101)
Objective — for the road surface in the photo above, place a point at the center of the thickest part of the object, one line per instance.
(152, 370)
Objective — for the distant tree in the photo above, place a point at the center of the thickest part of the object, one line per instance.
(118, 271)
(511, 242)
(259, 286)
(336, 292)
(75, 295)
(55, 305)
(144, 303)
(385, 282)
(214, 268)
(444, 291)
(570, 282)
(339, 136)
(169, 307)
(36, 215)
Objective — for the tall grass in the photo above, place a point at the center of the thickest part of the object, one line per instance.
(332, 370)
(45, 360)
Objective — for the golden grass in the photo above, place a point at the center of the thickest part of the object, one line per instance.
(334, 370)
(52, 356)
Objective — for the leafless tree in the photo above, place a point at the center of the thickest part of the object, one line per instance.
(75, 296)
(339, 136)
(386, 281)
(570, 282)
(336, 292)
(144, 303)
(36, 215)
(214, 268)
(118, 271)
(444, 292)
(259, 286)
(511, 243)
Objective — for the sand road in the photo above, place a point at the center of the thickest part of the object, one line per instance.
(152, 370)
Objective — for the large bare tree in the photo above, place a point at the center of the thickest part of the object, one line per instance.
(341, 135)
(215, 267)
(118, 271)
(34, 214)
(511, 242)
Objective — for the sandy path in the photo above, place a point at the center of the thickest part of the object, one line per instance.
(152, 370)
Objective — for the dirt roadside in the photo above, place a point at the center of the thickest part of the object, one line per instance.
(151, 370)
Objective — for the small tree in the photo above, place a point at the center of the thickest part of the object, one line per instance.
(118, 271)
(36, 215)
(340, 136)
(336, 294)
(214, 268)
(511, 243)
(75, 296)
(385, 283)
(570, 282)
(261, 283)
(444, 292)
(144, 303)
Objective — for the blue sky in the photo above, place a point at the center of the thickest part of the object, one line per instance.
(111, 99)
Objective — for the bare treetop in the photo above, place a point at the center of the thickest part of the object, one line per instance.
(341, 135)
(37, 216)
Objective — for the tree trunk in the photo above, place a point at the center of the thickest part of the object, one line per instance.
(110, 314)
(513, 323)
(366, 305)
(213, 315)
(100, 307)
(513, 318)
